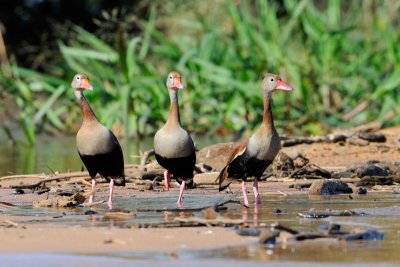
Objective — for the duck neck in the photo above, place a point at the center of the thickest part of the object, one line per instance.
(173, 117)
(268, 120)
(87, 112)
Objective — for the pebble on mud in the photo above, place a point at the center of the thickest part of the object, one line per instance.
(362, 191)
(355, 140)
(90, 212)
(19, 191)
(327, 187)
(277, 211)
(370, 170)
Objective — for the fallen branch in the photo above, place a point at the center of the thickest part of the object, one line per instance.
(6, 204)
(8, 223)
(325, 214)
(19, 176)
(219, 204)
(174, 224)
(211, 222)
(65, 176)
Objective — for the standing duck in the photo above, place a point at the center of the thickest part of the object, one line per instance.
(98, 147)
(173, 146)
(255, 154)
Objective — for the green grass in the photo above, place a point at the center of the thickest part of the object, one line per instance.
(335, 56)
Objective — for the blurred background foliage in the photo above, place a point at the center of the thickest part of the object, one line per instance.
(342, 58)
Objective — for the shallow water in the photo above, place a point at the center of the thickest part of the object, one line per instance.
(382, 214)
(54, 154)
(60, 154)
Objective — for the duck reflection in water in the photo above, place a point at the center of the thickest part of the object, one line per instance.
(256, 215)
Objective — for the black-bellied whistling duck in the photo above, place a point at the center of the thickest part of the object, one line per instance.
(173, 146)
(255, 154)
(98, 147)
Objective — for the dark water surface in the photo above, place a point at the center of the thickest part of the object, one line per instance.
(60, 154)
(382, 213)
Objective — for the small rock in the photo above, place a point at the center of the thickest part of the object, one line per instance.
(372, 137)
(248, 232)
(276, 211)
(327, 187)
(345, 174)
(371, 170)
(355, 140)
(268, 239)
(300, 186)
(368, 235)
(362, 191)
(90, 212)
(19, 191)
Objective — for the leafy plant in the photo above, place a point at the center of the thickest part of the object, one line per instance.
(341, 57)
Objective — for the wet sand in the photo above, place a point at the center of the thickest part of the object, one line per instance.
(63, 234)
(34, 235)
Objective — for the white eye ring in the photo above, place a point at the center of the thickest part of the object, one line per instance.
(77, 77)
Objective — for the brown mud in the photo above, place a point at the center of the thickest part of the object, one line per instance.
(146, 219)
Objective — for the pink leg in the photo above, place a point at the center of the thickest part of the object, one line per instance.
(256, 193)
(244, 190)
(167, 180)
(111, 186)
(182, 187)
(91, 198)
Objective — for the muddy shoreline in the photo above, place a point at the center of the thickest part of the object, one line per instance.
(76, 230)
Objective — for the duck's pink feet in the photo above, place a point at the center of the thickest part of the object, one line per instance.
(244, 191)
(256, 192)
(167, 180)
(181, 189)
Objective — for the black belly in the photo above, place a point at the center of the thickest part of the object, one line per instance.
(245, 166)
(179, 167)
(109, 166)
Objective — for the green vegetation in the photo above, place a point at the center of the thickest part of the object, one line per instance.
(340, 56)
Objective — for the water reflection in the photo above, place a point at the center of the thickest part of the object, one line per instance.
(55, 154)
(60, 154)
(382, 209)
(255, 215)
